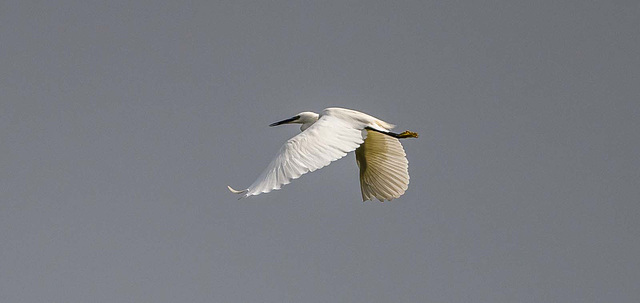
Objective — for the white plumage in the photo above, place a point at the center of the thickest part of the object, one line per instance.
(330, 136)
(384, 169)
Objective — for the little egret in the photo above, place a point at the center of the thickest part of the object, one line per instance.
(330, 136)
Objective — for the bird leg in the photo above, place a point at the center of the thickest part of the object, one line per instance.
(402, 135)
(407, 134)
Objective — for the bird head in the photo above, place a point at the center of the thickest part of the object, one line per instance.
(304, 118)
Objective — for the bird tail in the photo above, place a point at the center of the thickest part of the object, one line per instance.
(384, 125)
(239, 192)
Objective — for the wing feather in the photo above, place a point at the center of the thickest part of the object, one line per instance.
(327, 140)
(384, 169)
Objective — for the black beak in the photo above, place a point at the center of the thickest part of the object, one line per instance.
(285, 121)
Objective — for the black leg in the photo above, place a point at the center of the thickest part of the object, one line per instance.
(404, 134)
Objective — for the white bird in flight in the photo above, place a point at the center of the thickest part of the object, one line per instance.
(330, 136)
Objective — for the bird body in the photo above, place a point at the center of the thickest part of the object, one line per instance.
(330, 136)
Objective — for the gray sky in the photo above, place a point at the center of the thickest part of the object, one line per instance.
(122, 123)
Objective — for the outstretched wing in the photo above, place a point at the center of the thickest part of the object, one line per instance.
(384, 169)
(327, 140)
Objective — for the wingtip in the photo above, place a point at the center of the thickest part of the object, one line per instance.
(239, 192)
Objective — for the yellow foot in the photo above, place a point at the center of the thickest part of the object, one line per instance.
(408, 134)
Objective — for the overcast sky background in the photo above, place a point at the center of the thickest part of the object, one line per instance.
(122, 122)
